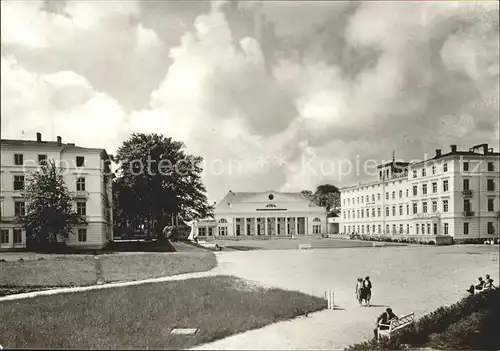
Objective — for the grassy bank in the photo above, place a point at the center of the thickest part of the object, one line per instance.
(471, 324)
(142, 316)
(79, 270)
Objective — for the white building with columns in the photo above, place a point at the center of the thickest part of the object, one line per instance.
(268, 213)
(454, 194)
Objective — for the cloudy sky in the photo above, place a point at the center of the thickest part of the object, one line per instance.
(274, 95)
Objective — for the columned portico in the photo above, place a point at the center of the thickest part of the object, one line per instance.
(268, 213)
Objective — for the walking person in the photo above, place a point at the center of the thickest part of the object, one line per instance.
(367, 290)
(359, 290)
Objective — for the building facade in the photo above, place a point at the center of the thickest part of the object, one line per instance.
(86, 174)
(454, 194)
(268, 213)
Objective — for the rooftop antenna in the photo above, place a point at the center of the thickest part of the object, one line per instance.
(393, 156)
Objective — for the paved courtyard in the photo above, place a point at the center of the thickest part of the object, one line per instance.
(409, 279)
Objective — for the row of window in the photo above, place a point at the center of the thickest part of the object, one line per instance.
(361, 213)
(433, 170)
(398, 172)
(222, 230)
(465, 168)
(490, 228)
(4, 236)
(420, 228)
(361, 199)
(289, 219)
(19, 183)
(18, 235)
(19, 160)
(20, 208)
(490, 186)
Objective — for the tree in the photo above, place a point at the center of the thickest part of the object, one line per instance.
(49, 207)
(124, 209)
(157, 182)
(308, 194)
(326, 195)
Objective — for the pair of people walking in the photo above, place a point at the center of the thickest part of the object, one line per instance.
(364, 291)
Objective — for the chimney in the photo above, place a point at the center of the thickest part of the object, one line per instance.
(453, 148)
(59, 141)
(438, 152)
(38, 137)
(485, 149)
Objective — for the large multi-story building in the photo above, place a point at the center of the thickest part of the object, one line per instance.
(269, 213)
(453, 194)
(86, 174)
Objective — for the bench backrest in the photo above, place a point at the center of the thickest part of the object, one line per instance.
(402, 321)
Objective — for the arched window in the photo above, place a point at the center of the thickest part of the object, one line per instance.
(270, 205)
(222, 220)
(316, 219)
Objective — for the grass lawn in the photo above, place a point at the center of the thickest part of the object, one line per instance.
(78, 270)
(142, 316)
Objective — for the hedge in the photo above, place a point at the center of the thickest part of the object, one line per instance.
(468, 324)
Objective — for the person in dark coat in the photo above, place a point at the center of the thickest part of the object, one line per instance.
(367, 290)
(385, 319)
(480, 284)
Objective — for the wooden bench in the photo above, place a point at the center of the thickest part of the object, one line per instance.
(394, 325)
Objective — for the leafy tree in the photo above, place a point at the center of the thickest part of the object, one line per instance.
(326, 195)
(49, 211)
(308, 194)
(124, 217)
(157, 182)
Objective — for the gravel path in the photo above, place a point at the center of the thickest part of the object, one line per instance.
(408, 279)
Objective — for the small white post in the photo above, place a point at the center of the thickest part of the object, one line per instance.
(330, 299)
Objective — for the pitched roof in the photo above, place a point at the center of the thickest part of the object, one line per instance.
(236, 197)
(55, 144)
(457, 153)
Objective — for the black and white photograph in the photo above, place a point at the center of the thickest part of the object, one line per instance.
(250, 175)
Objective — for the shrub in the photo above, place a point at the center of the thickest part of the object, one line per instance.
(468, 324)
(473, 241)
